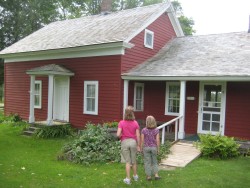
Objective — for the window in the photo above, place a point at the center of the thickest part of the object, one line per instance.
(138, 96)
(90, 97)
(38, 94)
(172, 98)
(149, 39)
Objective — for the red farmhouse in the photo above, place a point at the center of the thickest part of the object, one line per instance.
(88, 69)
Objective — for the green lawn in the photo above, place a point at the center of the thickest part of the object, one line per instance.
(32, 163)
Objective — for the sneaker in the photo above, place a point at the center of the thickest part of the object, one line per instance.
(136, 177)
(127, 181)
(157, 178)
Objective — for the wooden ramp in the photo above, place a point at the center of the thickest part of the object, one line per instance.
(181, 153)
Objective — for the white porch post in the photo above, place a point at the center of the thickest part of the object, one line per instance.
(181, 133)
(125, 95)
(50, 99)
(32, 99)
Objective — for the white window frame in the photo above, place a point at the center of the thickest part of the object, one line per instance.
(148, 32)
(85, 109)
(135, 94)
(39, 106)
(168, 84)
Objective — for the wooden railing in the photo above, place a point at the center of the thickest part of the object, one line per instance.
(169, 123)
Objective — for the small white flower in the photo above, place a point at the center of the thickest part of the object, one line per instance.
(23, 168)
(59, 174)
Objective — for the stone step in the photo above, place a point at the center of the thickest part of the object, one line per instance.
(30, 131)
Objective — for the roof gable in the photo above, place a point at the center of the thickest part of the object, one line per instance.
(119, 26)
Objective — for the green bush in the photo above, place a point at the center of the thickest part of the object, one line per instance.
(12, 118)
(164, 150)
(218, 146)
(95, 144)
(54, 131)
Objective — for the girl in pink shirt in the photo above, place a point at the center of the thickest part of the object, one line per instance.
(129, 133)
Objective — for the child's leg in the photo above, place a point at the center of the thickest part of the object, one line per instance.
(134, 167)
(147, 161)
(128, 170)
(155, 162)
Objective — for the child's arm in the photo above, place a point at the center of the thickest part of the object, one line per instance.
(142, 140)
(119, 131)
(158, 142)
(138, 139)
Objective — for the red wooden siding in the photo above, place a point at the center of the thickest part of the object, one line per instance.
(17, 86)
(163, 32)
(154, 103)
(238, 110)
(106, 70)
(191, 110)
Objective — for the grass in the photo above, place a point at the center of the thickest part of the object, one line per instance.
(32, 163)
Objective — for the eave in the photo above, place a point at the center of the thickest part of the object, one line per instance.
(114, 48)
(186, 78)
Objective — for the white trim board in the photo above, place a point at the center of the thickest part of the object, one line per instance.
(117, 48)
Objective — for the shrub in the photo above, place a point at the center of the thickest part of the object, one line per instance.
(164, 150)
(12, 118)
(55, 131)
(112, 124)
(218, 146)
(94, 144)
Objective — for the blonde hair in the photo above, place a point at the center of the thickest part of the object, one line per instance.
(151, 122)
(129, 113)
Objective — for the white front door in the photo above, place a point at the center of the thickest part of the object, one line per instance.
(61, 99)
(212, 101)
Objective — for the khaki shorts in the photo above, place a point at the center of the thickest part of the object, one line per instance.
(128, 151)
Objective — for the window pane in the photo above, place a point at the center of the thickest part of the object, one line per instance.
(138, 92)
(37, 101)
(90, 97)
(90, 104)
(149, 39)
(37, 94)
(206, 117)
(91, 91)
(215, 126)
(206, 126)
(174, 98)
(37, 88)
(138, 105)
(216, 117)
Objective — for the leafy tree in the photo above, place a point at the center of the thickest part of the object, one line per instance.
(186, 23)
(19, 18)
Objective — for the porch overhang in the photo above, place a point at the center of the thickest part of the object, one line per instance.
(51, 69)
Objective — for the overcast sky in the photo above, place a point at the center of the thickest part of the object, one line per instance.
(217, 16)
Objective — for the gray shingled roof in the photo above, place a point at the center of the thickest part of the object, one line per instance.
(225, 54)
(89, 30)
